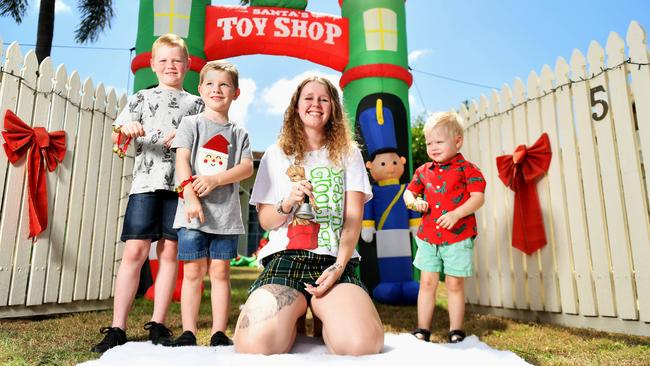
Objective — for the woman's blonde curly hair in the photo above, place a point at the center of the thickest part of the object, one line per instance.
(338, 135)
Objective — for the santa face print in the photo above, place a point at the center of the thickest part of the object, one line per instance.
(212, 157)
(212, 161)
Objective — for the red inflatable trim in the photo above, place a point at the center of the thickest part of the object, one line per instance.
(143, 61)
(376, 70)
(232, 31)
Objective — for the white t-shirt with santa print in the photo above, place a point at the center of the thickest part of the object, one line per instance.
(214, 148)
(329, 181)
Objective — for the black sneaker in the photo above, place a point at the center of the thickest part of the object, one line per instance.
(159, 334)
(185, 339)
(114, 337)
(220, 339)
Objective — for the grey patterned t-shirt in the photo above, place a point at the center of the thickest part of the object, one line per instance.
(214, 148)
(160, 112)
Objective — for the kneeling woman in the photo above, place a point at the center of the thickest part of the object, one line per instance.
(311, 262)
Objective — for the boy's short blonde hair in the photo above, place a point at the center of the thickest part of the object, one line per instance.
(451, 122)
(224, 66)
(170, 40)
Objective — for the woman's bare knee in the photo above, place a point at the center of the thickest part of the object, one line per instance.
(351, 324)
(267, 323)
(368, 342)
(259, 342)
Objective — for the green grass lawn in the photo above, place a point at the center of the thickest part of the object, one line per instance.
(66, 339)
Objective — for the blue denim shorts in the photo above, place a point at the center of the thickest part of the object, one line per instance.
(195, 244)
(150, 216)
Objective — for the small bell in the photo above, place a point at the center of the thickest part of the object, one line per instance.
(305, 211)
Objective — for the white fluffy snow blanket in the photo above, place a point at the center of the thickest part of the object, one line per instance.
(398, 349)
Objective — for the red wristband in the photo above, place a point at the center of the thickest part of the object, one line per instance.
(181, 187)
(120, 148)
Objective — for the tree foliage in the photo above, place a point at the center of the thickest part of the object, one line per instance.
(13, 8)
(419, 148)
(96, 15)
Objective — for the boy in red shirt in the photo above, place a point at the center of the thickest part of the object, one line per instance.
(453, 189)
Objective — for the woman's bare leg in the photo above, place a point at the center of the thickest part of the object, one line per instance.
(351, 324)
(267, 324)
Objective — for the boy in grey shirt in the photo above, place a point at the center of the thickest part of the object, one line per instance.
(212, 156)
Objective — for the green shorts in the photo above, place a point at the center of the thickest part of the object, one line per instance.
(454, 259)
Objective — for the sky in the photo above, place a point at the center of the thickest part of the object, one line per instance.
(458, 50)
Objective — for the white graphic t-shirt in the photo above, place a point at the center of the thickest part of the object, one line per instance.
(159, 111)
(330, 183)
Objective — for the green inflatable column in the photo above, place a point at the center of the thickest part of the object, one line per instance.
(185, 18)
(375, 87)
(378, 65)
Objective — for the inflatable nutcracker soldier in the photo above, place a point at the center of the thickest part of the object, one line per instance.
(386, 216)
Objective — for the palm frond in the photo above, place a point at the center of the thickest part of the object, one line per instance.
(13, 8)
(96, 15)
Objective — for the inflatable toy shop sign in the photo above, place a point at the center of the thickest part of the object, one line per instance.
(233, 31)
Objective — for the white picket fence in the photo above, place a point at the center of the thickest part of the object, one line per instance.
(595, 270)
(71, 266)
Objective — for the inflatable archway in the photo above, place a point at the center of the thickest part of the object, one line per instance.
(367, 43)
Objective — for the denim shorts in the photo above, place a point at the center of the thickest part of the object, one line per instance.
(454, 259)
(150, 215)
(195, 244)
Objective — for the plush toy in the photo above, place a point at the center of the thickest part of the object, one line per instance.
(302, 233)
(296, 173)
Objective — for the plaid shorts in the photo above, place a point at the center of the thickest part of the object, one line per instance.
(294, 268)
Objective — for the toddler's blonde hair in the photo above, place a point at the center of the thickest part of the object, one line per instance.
(451, 122)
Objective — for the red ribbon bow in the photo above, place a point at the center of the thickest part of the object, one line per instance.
(521, 171)
(21, 139)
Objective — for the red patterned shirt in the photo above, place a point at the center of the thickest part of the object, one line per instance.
(445, 187)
